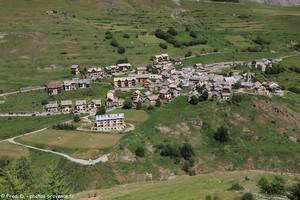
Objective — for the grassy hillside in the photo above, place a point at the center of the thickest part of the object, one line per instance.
(37, 47)
(186, 188)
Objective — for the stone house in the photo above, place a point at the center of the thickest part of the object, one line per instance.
(70, 85)
(84, 83)
(95, 73)
(81, 106)
(52, 107)
(66, 106)
(125, 82)
(54, 87)
(75, 69)
(95, 104)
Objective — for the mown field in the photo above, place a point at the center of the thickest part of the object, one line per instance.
(32, 53)
(13, 126)
(78, 144)
(185, 187)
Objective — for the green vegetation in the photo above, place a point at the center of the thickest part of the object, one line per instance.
(76, 143)
(205, 186)
(84, 32)
(13, 126)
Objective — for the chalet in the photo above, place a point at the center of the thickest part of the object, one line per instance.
(165, 95)
(95, 104)
(81, 106)
(52, 107)
(125, 82)
(123, 67)
(136, 96)
(84, 83)
(70, 85)
(66, 106)
(141, 70)
(95, 73)
(161, 58)
(54, 87)
(112, 100)
(75, 69)
(153, 98)
(109, 122)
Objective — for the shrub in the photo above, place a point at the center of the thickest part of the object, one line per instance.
(275, 69)
(194, 100)
(150, 107)
(126, 35)
(140, 152)
(294, 90)
(236, 187)
(123, 60)
(108, 35)
(139, 105)
(276, 187)
(170, 151)
(295, 69)
(64, 126)
(260, 41)
(127, 105)
(101, 110)
(247, 196)
(76, 118)
(114, 43)
(186, 151)
(193, 34)
(44, 102)
(172, 31)
(158, 103)
(204, 96)
(163, 45)
(295, 192)
(188, 54)
(222, 135)
(121, 50)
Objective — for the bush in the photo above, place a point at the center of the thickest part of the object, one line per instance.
(150, 107)
(140, 152)
(121, 50)
(294, 69)
(276, 187)
(44, 102)
(64, 126)
(108, 35)
(294, 90)
(172, 31)
(139, 105)
(186, 151)
(275, 69)
(127, 105)
(123, 60)
(222, 135)
(163, 45)
(236, 187)
(204, 96)
(76, 118)
(295, 192)
(194, 100)
(114, 43)
(247, 196)
(101, 110)
(170, 151)
(126, 35)
(260, 41)
(193, 34)
(188, 54)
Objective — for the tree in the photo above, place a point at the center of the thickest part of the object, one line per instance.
(140, 152)
(236, 99)
(247, 196)
(193, 34)
(186, 151)
(139, 105)
(172, 31)
(121, 50)
(126, 35)
(194, 100)
(57, 185)
(76, 118)
(204, 96)
(163, 45)
(276, 187)
(127, 105)
(222, 135)
(236, 187)
(44, 102)
(295, 192)
(188, 54)
(158, 103)
(24, 172)
(10, 183)
(101, 110)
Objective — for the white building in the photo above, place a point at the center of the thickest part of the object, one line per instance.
(109, 122)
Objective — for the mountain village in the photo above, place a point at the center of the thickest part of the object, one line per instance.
(158, 83)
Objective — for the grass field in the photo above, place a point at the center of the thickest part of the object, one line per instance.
(32, 54)
(186, 188)
(76, 143)
(12, 126)
(12, 151)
